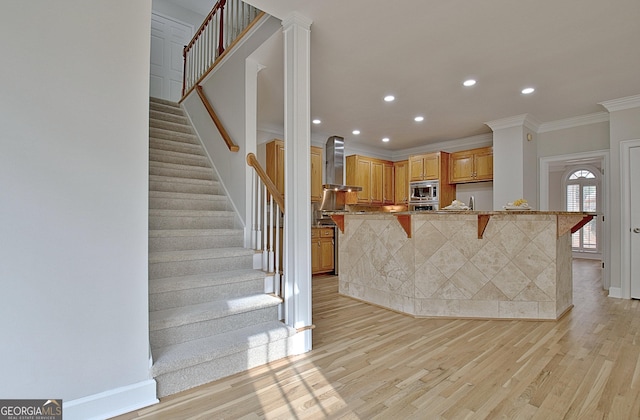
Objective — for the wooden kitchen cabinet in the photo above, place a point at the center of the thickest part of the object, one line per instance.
(275, 168)
(401, 182)
(316, 174)
(322, 250)
(388, 182)
(471, 165)
(369, 173)
(424, 167)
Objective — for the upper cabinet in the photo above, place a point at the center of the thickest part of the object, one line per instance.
(275, 168)
(316, 174)
(401, 182)
(424, 167)
(375, 176)
(471, 165)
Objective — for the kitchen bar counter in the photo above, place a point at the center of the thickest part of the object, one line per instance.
(468, 264)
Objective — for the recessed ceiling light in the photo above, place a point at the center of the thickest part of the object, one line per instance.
(419, 118)
(389, 98)
(386, 139)
(469, 82)
(316, 121)
(528, 90)
(356, 132)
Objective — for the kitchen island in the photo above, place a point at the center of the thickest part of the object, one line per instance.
(462, 264)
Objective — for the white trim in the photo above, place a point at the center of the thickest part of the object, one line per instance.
(596, 118)
(625, 217)
(615, 292)
(543, 199)
(524, 120)
(112, 403)
(622, 103)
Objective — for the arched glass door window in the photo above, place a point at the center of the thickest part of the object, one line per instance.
(582, 195)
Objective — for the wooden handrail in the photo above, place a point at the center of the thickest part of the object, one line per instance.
(271, 187)
(223, 132)
(186, 92)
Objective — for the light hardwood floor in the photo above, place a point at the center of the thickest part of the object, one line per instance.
(368, 362)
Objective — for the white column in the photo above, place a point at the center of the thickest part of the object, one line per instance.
(515, 160)
(297, 169)
(251, 122)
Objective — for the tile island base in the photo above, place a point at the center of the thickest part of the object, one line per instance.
(493, 265)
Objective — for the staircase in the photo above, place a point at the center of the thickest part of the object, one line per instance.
(208, 314)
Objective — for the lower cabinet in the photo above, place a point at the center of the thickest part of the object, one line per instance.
(322, 250)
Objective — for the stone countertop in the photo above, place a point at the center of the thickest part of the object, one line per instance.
(458, 212)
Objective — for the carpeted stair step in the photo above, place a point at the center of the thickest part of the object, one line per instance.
(184, 366)
(180, 171)
(168, 125)
(183, 185)
(173, 292)
(166, 102)
(159, 133)
(190, 219)
(175, 146)
(168, 117)
(190, 239)
(186, 323)
(179, 158)
(184, 263)
(184, 201)
(174, 109)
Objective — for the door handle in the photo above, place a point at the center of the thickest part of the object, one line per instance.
(636, 230)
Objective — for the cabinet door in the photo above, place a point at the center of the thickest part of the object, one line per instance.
(316, 174)
(275, 163)
(484, 165)
(401, 182)
(363, 179)
(461, 167)
(387, 184)
(377, 179)
(416, 166)
(432, 166)
(326, 254)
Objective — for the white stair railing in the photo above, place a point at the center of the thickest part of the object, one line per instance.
(226, 23)
(267, 210)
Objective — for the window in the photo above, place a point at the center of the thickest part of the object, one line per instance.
(582, 187)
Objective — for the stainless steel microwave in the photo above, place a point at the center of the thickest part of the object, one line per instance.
(423, 191)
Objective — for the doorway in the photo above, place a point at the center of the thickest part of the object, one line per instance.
(553, 168)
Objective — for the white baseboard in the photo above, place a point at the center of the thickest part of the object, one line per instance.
(615, 292)
(111, 403)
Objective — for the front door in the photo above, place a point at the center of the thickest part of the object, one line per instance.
(168, 38)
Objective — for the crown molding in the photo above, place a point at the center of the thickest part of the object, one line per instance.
(622, 103)
(524, 120)
(297, 19)
(595, 118)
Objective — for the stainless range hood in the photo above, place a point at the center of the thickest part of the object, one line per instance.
(333, 195)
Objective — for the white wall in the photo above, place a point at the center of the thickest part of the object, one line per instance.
(226, 93)
(582, 138)
(73, 197)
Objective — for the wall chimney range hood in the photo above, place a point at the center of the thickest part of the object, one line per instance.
(334, 189)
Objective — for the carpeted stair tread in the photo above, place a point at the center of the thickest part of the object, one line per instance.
(190, 213)
(163, 133)
(175, 146)
(179, 155)
(168, 125)
(179, 180)
(203, 280)
(197, 254)
(155, 100)
(180, 356)
(180, 171)
(174, 317)
(164, 233)
(187, 196)
(161, 115)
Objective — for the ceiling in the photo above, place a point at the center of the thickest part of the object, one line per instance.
(575, 53)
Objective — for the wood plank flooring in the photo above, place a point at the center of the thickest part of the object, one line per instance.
(371, 363)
